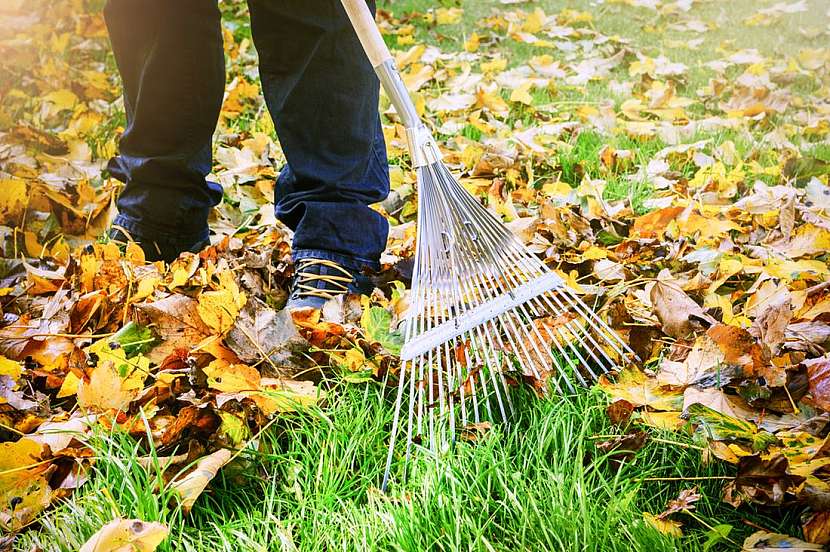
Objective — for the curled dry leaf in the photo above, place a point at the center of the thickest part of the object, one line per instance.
(191, 485)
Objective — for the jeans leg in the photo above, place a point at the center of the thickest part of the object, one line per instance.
(171, 60)
(322, 93)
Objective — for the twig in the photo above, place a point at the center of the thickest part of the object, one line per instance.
(13, 430)
(694, 478)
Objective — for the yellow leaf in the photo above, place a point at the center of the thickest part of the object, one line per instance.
(61, 99)
(127, 535)
(557, 189)
(69, 386)
(145, 288)
(571, 280)
(634, 386)
(13, 199)
(728, 267)
(791, 270)
(10, 368)
(448, 16)
(807, 239)
(665, 526)
(534, 22)
(24, 492)
(472, 43)
(232, 378)
(493, 102)
(219, 309)
(522, 94)
(494, 66)
(594, 253)
(33, 247)
(115, 381)
(662, 420)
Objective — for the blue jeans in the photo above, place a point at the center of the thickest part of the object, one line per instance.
(323, 97)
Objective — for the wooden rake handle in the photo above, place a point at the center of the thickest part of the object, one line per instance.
(367, 31)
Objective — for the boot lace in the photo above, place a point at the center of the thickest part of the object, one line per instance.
(307, 278)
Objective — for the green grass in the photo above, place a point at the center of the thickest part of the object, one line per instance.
(539, 484)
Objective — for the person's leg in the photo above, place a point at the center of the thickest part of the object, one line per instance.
(323, 96)
(171, 60)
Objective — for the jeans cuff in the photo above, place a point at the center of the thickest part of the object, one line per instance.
(141, 231)
(348, 261)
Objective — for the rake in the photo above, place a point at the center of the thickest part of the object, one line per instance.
(484, 311)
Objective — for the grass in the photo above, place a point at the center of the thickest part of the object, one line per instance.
(539, 484)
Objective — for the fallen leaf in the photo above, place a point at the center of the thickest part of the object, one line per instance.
(190, 486)
(775, 542)
(634, 386)
(722, 427)
(667, 527)
(260, 333)
(817, 528)
(818, 375)
(678, 313)
(127, 535)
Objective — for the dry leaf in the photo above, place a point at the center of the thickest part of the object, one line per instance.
(127, 535)
(190, 486)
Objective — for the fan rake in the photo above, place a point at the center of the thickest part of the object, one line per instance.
(484, 310)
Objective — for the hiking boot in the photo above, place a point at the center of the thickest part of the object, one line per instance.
(156, 249)
(319, 280)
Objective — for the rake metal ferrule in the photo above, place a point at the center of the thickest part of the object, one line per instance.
(422, 146)
(479, 315)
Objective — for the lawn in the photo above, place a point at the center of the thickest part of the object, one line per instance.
(596, 136)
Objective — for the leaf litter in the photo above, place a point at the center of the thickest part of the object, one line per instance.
(717, 275)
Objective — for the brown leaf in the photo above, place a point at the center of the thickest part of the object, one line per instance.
(741, 349)
(619, 412)
(623, 447)
(817, 528)
(818, 376)
(261, 333)
(176, 321)
(653, 225)
(771, 323)
(678, 313)
(194, 420)
(684, 502)
(475, 431)
(761, 482)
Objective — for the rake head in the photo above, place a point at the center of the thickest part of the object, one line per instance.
(484, 313)
(483, 309)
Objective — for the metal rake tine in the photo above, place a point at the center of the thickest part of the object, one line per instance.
(468, 287)
(575, 331)
(583, 309)
(459, 373)
(458, 302)
(540, 356)
(517, 257)
(523, 262)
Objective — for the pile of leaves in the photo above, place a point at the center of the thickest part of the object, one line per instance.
(696, 218)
